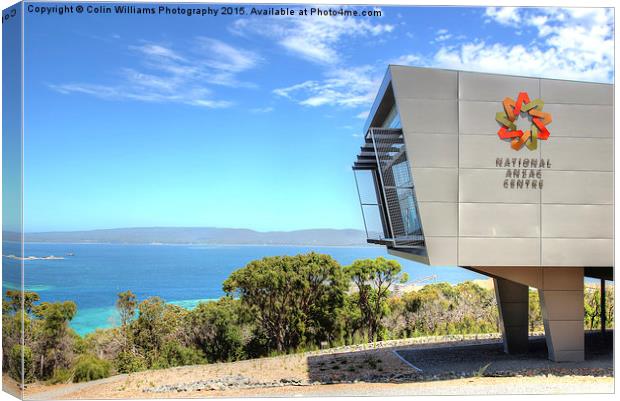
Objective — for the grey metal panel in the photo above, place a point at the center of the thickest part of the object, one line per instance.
(499, 251)
(476, 86)
(578, 153)
(479, 117)
(577, 187)
(577, 252)
(590, 121)
(423, 83)
(442, 251)
(486, 185)
(435, 184)
(577, 221)
(556, 91)
(439, 219)
(420, 258)
(481, 151)
(432, 150)
(499, 220)
(428, 116)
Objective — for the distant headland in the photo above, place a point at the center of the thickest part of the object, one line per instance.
(199, 235)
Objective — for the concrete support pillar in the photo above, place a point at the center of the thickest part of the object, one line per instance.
(561, 302)
(512, 302)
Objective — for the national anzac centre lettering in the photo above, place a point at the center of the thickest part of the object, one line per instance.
(523, 173)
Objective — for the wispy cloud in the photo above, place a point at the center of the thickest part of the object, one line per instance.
(408, 59)
(165, 75)
(319, 40)
(261, 110)
(442, 35)
(348, 87)
(363, 115)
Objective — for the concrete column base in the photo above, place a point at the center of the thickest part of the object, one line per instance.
(512, 302)
(561, 302)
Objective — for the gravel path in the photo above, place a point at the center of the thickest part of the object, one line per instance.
(63, 390)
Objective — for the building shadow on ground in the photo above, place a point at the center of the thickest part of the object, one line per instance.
(446, 361)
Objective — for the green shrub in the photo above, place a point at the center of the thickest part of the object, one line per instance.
(15, 363)
(89, 367)
(61, 375)
(174, 354)
(126, 362)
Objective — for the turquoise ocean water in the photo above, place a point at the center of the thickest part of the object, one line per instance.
(180, 274)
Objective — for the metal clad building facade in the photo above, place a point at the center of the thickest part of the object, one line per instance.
(537, 213)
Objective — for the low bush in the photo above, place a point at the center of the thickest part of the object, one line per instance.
(15, 363)
(61, 375)
(174, 354)
(89, 367)
(126, 362)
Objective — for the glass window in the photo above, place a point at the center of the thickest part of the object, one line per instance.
(411, 221)
(402, 175)
(366, 187)
(392, 120)
(371, 212)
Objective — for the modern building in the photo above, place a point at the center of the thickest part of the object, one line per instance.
(508, 176)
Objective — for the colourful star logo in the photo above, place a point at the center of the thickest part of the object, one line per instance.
(512, 111)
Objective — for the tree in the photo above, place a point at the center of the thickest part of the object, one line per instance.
(126, 305)
(52, 335)
(216, 328)
(535, 313)
(157, 324)
(609, 305)
(15, 300)
(476, 305)
(592, 306)
(149, 327)
(295, 298)
(373, 279)
(12, 324)
(432, 306)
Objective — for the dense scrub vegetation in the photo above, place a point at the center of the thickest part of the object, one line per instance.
(275, 305)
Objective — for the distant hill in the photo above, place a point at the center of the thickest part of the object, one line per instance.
(201, 235)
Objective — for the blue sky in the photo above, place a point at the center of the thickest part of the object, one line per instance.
(248, 121)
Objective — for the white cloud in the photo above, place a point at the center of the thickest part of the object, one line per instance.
(318, 40)
(221, 56)
(155, 50)
(363, 115)
(261, 110)
(444, 37)
(348, 87)
(322, 41)
(408, 59)
(167, 76)
(504, 15)
(569, 44)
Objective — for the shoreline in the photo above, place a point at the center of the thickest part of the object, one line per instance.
(199, 244)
